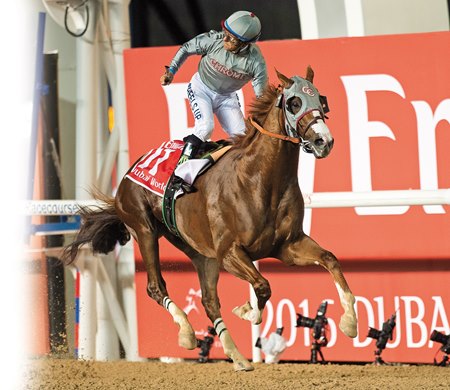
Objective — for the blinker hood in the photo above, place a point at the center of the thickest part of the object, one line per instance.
(310, 97)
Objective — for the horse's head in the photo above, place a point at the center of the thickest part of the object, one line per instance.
(304, 111)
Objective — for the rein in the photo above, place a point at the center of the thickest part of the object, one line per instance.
(273, 135)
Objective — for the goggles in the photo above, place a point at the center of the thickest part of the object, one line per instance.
(231, 38)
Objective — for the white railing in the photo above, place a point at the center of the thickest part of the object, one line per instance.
(378, 198)
(314, 200)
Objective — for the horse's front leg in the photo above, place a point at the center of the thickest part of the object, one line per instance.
(306, 251)
(208, 273)
(237, 263)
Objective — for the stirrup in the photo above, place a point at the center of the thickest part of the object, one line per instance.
(183, 159)
(190, 149)
(185, 186)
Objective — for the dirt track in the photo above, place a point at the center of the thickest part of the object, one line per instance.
(62, 374)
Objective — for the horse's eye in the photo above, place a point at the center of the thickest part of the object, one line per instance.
(295, 106)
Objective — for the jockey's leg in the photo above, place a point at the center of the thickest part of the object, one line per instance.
(229, 114)
(201, 102)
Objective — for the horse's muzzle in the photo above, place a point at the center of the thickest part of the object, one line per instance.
(321, 147)
(319, 140)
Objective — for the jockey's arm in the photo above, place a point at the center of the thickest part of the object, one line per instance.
(260, 79)
(198, 45)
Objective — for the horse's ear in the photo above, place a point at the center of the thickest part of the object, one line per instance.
(286, 82)
(309, 74)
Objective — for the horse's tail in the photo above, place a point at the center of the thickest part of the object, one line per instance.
(100, 226)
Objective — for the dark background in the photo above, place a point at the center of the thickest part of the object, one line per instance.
(173, 22)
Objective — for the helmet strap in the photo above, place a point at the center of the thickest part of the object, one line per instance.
(242, 46)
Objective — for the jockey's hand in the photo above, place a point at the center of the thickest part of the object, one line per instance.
(167, 77)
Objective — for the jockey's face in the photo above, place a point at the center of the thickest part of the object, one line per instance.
(230, 42)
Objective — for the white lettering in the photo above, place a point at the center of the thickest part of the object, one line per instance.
(178, 114)
(417, 320)
(382, 317)
(439, 310)
(166, 155)
(307, 166)
(269, 319)
(426, 129)
(409, 321)
(293, 319)
(398, 325)
(149, 158)
(361, 130)
(305, 312)
(370, 321)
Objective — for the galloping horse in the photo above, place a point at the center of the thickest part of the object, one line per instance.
(248, 206)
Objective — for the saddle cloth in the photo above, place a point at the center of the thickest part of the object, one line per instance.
(154, 169)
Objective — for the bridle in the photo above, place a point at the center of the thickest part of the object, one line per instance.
(274, 135)
(292, 134)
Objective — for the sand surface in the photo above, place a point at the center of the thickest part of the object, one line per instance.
(61, 374)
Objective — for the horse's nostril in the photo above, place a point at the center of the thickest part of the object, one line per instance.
(331, 144)
(319, 142)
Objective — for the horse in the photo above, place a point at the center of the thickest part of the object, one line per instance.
(246, 207)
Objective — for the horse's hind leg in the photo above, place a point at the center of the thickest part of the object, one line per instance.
(156, 288)
(306, 252)
(131, 206)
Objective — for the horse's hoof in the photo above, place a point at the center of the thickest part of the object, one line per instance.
(241, 310)
(187, 340)
(243, 366)
(348, 328)
(253, 316)
(246, 312)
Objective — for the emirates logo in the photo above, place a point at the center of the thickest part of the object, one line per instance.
(308, 91)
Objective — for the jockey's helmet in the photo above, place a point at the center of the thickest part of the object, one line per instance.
(243, 25)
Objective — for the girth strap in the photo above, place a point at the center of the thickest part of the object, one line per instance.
(176, 183)
(168, 204)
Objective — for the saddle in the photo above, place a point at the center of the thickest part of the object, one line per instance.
(177, 186)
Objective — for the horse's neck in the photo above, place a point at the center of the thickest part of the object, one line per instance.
(274, 161)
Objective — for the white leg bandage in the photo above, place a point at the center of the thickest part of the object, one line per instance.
(219, 326)
(166, 303)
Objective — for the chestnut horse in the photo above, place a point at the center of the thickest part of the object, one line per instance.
(248, 206)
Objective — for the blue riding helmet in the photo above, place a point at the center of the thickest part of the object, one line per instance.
(244, 25)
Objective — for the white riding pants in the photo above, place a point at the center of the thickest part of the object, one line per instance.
(205, 103)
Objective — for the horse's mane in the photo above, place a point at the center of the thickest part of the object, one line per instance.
(259, 109)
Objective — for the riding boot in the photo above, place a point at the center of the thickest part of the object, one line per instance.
(190, 149)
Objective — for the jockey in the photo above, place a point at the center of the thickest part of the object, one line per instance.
(230, 59)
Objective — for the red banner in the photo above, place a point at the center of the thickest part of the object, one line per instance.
(418, 297)
(390, 116)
